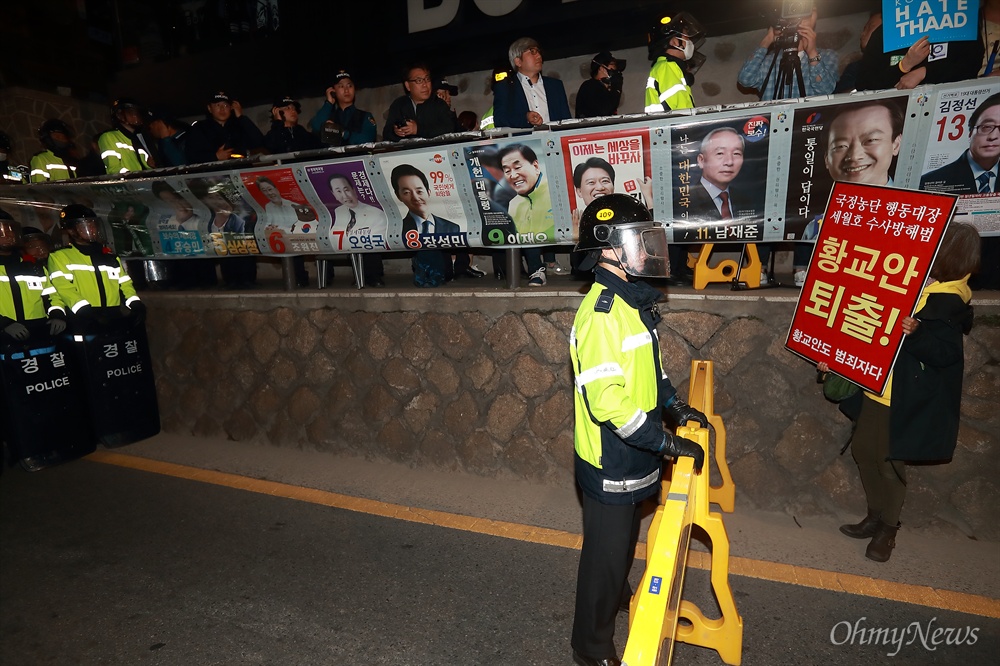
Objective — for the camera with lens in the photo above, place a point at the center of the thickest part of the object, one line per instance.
(786, 23)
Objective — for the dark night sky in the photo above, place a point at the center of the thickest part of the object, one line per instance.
(51, 45)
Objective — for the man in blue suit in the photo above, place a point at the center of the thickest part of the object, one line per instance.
(529, 99)
(520, 101)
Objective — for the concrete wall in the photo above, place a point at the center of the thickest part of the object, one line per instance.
(482, 383)
(715, 83)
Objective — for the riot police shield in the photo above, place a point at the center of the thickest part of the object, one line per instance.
(120, 387)
(45, 418)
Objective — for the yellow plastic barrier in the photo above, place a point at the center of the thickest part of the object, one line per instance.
(657, 608)
(727, 269)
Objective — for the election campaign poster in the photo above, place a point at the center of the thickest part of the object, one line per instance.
(606, 162)
(428, 204)
(717, 168)
(358, 222)
(942, 21)
(857, 142)
(228, 219)
(962, 154)
(173, 219)
(126, 217)
(512, 192)
(874, 251)
(287, 223)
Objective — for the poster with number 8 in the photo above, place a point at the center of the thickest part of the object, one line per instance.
(427, 199)
(963, 151)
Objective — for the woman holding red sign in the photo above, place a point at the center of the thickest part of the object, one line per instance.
(916, 418)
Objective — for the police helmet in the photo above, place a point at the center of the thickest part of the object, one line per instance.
(623, 224)
(123, 104)
(53, 125)
(73, 214)
(10, 231)
(666, 28)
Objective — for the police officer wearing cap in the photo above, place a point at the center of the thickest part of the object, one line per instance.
(225, 133)
(600, 94)
(286, 135)
(88, 276)
(28, 302)
(622, 393)
(339, 122)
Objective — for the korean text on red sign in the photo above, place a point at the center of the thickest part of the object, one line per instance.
(873, 253)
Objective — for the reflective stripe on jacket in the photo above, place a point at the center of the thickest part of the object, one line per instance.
(666, 88)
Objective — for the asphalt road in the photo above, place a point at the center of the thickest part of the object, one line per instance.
(107, 565)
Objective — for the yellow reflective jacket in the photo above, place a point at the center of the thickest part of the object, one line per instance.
(24, 290)
(95, 277)
(120, 154)
(47, 166)
(620, 390)
(667, 88)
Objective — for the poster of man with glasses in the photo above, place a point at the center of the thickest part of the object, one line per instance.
(963, 154)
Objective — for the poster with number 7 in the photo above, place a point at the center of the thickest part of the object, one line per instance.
(872, 257)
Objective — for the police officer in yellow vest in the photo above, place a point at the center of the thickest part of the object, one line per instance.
(88, 276)
(28, 302)
(672, 44)
(126, 147)
(621, 395)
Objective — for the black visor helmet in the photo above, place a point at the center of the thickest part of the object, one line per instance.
(623, 224)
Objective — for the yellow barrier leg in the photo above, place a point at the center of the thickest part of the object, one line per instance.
(656, 605)
(727, 269)
(704, 274)
(685, 498)
(701, 397)
(723, 634)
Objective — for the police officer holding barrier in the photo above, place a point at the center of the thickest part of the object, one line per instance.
(621, 395)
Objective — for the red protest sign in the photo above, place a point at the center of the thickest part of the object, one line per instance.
(873, 253)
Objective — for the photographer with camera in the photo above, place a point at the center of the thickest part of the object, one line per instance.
(787, 63)
(600, 94)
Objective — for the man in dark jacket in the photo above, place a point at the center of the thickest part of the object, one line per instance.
(600, 94)
(339, 122)
(286, 135)
(225, 133)
(516, 101)
(418, 113)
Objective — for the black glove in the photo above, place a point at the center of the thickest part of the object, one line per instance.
(679, 446)
(137, 311)
(17, 331)
(681, 413)
(56, 325)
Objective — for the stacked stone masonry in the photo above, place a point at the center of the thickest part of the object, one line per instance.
(485, 387)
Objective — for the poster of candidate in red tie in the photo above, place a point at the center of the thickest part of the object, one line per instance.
(874, 251)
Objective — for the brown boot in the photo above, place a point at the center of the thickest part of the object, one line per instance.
(882, 543)
(865, 529)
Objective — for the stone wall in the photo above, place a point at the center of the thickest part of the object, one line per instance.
(482, 383)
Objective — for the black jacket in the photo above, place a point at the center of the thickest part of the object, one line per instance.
(207, 136)
(927, 383)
